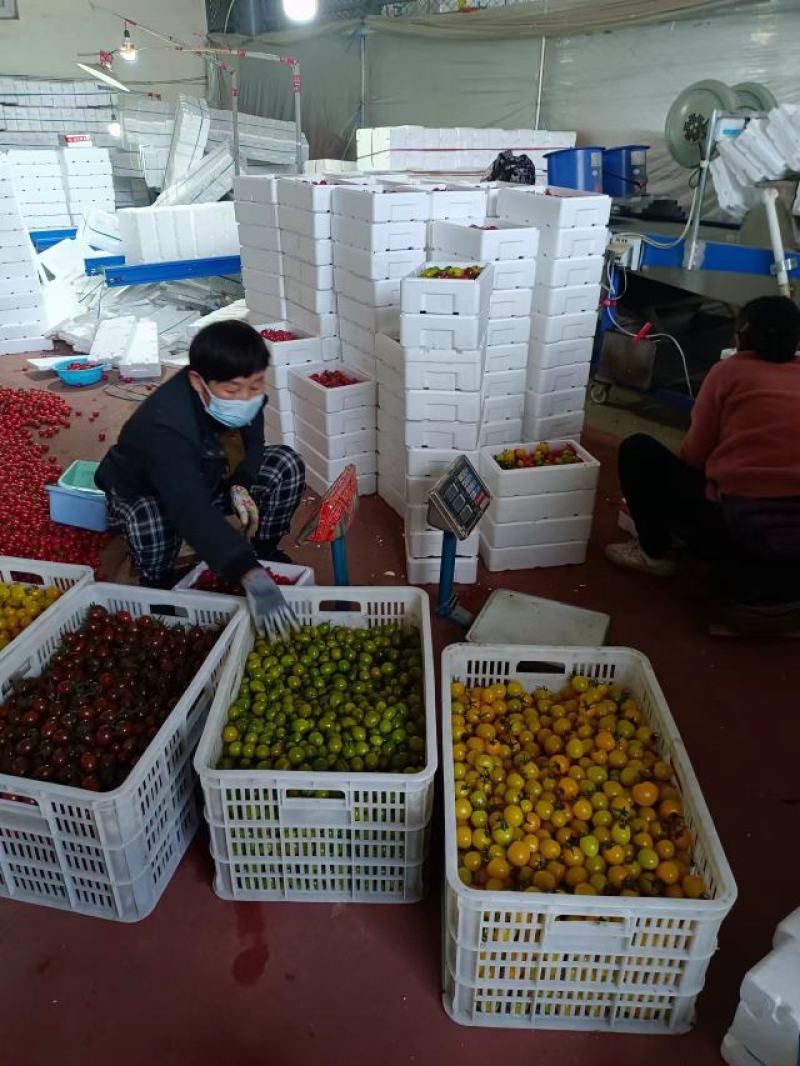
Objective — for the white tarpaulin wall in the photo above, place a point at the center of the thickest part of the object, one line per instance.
(612, 87)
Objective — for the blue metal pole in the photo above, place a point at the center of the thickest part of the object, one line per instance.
(339, 555)
(447, 571)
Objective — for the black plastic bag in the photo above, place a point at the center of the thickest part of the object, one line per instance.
(515, 169)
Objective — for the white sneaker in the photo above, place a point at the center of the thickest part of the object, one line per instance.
(632, 556)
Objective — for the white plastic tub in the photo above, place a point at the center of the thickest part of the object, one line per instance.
(367, 840)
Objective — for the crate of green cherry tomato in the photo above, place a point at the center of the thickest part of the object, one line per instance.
(318, 757)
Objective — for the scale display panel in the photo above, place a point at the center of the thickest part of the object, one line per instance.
(457, 501)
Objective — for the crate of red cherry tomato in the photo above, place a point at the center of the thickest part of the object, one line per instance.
(201, 579)
(333, 388)
(289, 346)
(101, 708)
(530, 469)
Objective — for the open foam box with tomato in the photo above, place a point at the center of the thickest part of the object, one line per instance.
(202, 579)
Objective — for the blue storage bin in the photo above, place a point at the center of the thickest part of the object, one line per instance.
(576, 168)
(76, 500)
(625, 170)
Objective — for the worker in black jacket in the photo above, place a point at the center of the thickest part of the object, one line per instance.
(192, 452)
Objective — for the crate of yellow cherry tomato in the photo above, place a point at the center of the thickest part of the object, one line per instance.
(585, 882)
(27, 588)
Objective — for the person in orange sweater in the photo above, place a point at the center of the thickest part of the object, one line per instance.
(733, 492)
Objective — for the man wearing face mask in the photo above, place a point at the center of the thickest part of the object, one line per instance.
(192, 452)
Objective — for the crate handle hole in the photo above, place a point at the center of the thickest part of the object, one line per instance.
(168, 610)
(576, 923)
(338, 606)
(329, 796)
(533, 667)
(26, 579)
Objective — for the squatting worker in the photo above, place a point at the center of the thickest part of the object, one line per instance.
(192, 452)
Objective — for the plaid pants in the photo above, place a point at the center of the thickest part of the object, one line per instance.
(154, 542)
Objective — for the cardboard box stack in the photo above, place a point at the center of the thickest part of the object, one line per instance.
(21, 312)
(572, 243)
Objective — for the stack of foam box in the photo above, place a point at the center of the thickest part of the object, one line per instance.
(39, 188)
(766, 1026)
(572, 243)
(379, 233)
(21, 312)
(280, 418)
(256, 208)
(88, 180)
(540, 515)
(512, 252)
(335, 427)
(304, 217)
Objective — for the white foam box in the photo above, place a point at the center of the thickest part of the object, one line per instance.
(270, 262)
(339, 445)
(315, 277)
(264, 237)
(279, 421)
(380, 237)
(391, 495)
(334, 423)
(503, 408)
(561, 273)
(569, 243)
(356, 336)
(433, 462)
(261, 305)
(495, 433)
(358, 360)
(553, 426)
(544, 356)
(541, 531)
(505, 357)
(503, 383)
(383, 293)
(532, 557)
(318, 252)
(425, 542)
(331, 348)
(427, 571)
(318, 325)
(547, 404)
(256, 214)
(465, 365)
(373, 319)
(329, 469)
(362, 394)
(446, 296)
(510, 303)
(545, 506)
(367, 483)
(25, 344)
(255, 188)
(572, 299)
(571, 376)
(444, 332)
(17, 302)
(380, 266)
(449, 375)
(431, 405)
(502, 331)
(319, 301)
(539, 480)
(451, 202)
(490, 242)
(417, 490)
(309, 224)
(305, 194)
(460, 435)
(555, 207)
(304, 349)
(553, 328)
(382, 203)
(261, 281)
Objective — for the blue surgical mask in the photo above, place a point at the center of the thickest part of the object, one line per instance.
(232, 413)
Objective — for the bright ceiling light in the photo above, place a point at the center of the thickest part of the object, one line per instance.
(114, 127)
(300, 10)
(103, 75)
(127, 49)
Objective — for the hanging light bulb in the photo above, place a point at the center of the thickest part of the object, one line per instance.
(127, 49)
(300, 10)
(114, 127)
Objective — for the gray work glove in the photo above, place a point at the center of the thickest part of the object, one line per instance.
(270, 612)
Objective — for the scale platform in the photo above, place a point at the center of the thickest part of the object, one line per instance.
(515, 618)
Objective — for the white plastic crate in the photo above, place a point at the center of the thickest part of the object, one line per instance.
(510, 303)
(564, 208)
(494, 433)
(490, 242)
(428, 571)
(539, 480)
(533, 532)
(380, 237)
(312, 224)
(316, 277)
(111, 854)
(547, 428)
(361, 394)
(382, 203)
(448, 332)
(446, 296)
(557, 273)
(383, 293)
(501, 331)
(549, 404)
(298, 575)
(553, 328)
(568, 243)
(367, 840)
(505, 357)
(515, 274)
(503, 383)
(339, 446)
(543, 505)
(559, 353)
(305, 349)
(572, 299)
(540, 960)
(36, 573)
(333, 423)
(377, 266)
(423, 541)
(320, 301)
(572, 376)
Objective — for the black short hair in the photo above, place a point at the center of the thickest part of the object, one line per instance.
(226, 350)
(770, 327)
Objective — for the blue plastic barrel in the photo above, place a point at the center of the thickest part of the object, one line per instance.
(576, 168)
(625, 170)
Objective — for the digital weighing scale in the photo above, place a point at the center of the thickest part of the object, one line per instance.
(456, 504)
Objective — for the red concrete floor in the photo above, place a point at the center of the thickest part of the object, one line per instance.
(204, 981)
